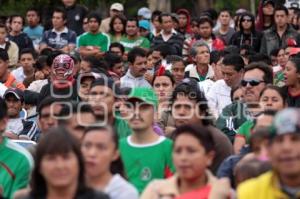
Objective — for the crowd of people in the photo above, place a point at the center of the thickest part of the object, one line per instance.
(156, 106)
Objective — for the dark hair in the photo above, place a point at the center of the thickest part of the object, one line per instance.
(28, 51)
(225, 10)
(35, 10)
(281, 8)
(279, 90)
(215, 56)
(252, 18)
(41, 62)
(92, 60)
(117, 165)
(163, 15)
(164, 49)
(46, 52)
(48, 101)
(55, 142)
(136, 52)
(117, 45)
(133, 19)
(166, 74)
(234, 60)
(3, 108)
(15, 16)
(155, 13)
(94, 15)
(268, 73)
(259, 57)
(231, 49)
(112, 59)
(62, 11)
(202, 134)
(4, 26)
(52, 56)
(73, 108)
(295, 59)
(3, 55)
(190, 88)
(204, 19)
(233, 90)
(174, 58)
(111, 24)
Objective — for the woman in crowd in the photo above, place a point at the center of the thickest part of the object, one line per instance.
(271, 98)
(59, 169)
(104, 168)
(292, 81)
(117, 28)
(193, 153)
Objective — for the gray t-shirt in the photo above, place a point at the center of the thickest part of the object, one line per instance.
(225, 37)
(119, 188)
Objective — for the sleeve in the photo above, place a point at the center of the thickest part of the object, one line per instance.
(81, 41)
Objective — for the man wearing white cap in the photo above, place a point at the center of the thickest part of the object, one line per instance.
(115, 9)
(144, 13)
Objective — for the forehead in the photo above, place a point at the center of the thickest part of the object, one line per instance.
(254, 73)
(140, 59)
(32, 12)
(26, 55)
(58, 14)
(182, 98)
(166, 18)
(205, 24)
(280, 12)
(101, 88)
(178, 64)
(202, 48)
(131, 23)
(17, 18)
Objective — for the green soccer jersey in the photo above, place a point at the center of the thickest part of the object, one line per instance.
(131, 43)
(15, 167)
(144, 163)
(100, 39)
(245, 130)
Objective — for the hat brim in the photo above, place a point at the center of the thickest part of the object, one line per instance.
(14, 94)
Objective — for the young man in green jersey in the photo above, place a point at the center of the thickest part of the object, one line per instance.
(145, 154)
(15, 162)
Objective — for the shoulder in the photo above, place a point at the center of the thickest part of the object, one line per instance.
(121, 186)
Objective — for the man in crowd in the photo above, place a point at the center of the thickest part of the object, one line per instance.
(9, 46)
(146, 155)
(16, 162)
(280, 34)
(225, 32)
(283, 181)
(137, 69)
(60, 37)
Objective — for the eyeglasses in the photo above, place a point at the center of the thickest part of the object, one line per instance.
(252, 82)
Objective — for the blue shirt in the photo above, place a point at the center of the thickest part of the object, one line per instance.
(35, 34)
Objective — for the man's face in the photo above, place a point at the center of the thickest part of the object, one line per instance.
(32, 18)
(205, 30)
(14, 106)
(142, 116)
(3, 67)
(48, 117)
(116, 50)
(182, 20)
(27, 61)
(68, 3)
(251, 93)
(84, 88)
(281, 19)
(225, 18)
(118, 68)
(139, 67)
(102, 100)
(131, 28)
(156, 57)
(202, 56)
(185, 111)
(17, 24)
(167, 24)
(231, 76)
(93, 25)
(2, 35)
(78, 122)
(178, 71)
(114, 12)
(57, 20)
(285, 155)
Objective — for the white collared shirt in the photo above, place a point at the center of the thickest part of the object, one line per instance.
(130, 81)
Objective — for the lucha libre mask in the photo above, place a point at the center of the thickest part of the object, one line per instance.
(62, 67)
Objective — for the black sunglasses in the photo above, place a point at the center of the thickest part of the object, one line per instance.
(253, 82)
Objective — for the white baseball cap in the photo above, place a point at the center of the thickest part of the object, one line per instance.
(117, 6)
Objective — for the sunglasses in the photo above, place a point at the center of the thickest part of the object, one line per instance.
(249, 20)
(253, 82)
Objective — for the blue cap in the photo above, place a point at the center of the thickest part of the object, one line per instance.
(144, 24)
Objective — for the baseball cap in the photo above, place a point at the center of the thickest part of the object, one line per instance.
(16, 92)
(144, 24)
(144, 94)
(144, 12)
(286, 121)
(117, 6)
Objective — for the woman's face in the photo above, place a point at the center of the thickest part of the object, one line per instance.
(118, 26)
(281, 58)
(246, 22)
(190, 158)
(60, 170)
(271, 99)
(163, 87)
(268, 9)
(99, 151)
(290, 74)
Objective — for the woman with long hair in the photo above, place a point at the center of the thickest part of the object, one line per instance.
(117, 28)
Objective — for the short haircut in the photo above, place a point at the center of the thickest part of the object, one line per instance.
(174, 58)
(3, 55)
(196, 45)
(155, 13)
(164, 49)
(234, 60)
(3, 108)
(117, 45)
(202, 134)
(94, 15)
(15, 16)
(112, 59)
(136, 52)
(215, 56)
(34, 10)
(28, 51)
(203, 20)
(62, 11)
(259, 57)
(48, 101)
(281, 8)
(225, 10)
(268, 73)
(164, 15)
(133, 19)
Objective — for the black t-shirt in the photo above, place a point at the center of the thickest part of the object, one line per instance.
(75, 15)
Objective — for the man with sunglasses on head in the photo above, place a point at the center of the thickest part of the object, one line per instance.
(256, 77)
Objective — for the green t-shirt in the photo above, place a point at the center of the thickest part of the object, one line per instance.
(101, 40)
(245, 130)
(139, 42)
(121, 127)
(144, 163)
(15, 167)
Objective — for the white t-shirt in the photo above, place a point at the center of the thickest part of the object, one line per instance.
(119, 188)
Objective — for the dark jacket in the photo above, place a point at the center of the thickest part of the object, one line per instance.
(292, 101)
(75, 16)
(175, 43)
(271, 39)
(22, 40)
(253, 40)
